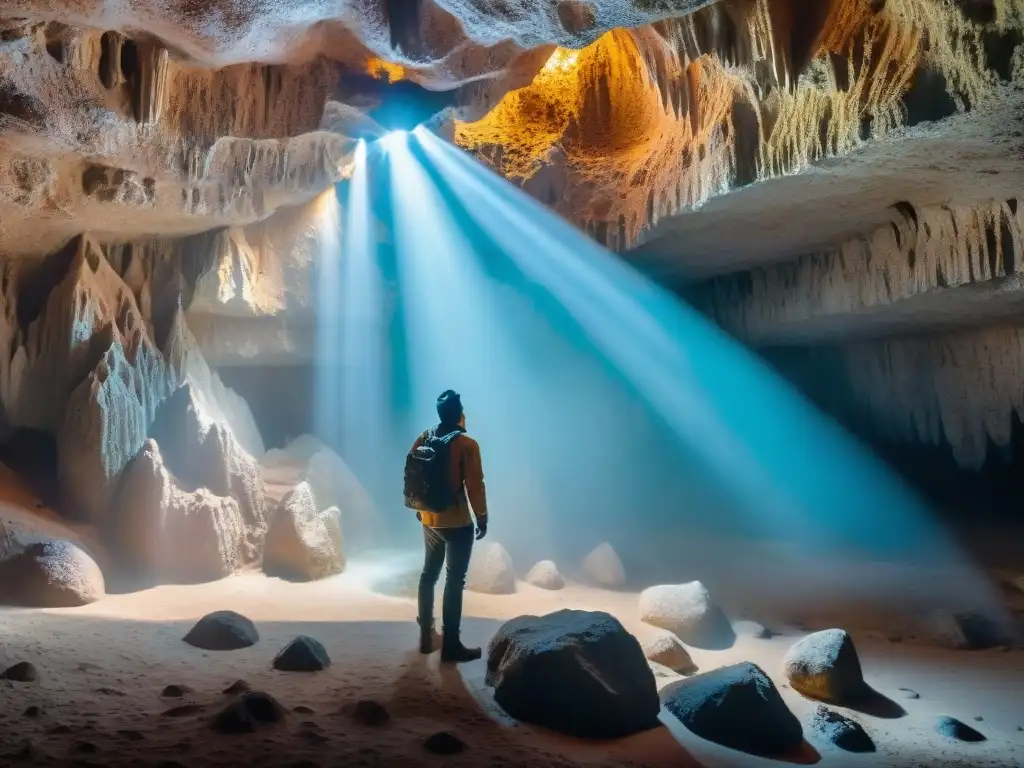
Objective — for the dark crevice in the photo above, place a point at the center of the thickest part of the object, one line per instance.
(404, 26)
(992, 244)
(999, 48)
(32, 455)
(928, 99)
(56, 50)
(109, 59)
(978, 11)
(35, 287)
(129, 60)
(1006, 247)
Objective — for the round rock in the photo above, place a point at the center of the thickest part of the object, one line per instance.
(738, 707)
(303, 654)
(22, 672)
(248, 713)
(545, 575)
(579, 673)
(603, 567)
(840, 730)
(956, 730)
(688, 612)
(223, 631)
(491, 571)
(824, 665)
(666, 649)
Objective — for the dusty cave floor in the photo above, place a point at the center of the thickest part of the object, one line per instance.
(103, 669)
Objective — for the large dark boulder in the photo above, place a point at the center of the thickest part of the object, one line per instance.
(736, 706)
(576, 672)
(223, 631)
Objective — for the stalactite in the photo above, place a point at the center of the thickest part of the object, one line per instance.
(149, 82)
(963, 389)
(920, 250)
(732, 83)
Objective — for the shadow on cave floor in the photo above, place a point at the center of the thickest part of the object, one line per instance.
(101, 694)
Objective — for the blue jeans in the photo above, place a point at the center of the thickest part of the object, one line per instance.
(454, 546)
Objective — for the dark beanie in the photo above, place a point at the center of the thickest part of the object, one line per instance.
(449, 407)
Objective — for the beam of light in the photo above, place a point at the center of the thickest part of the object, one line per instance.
(457, 335)
(326, 403)
(362, 383)
(747, 436)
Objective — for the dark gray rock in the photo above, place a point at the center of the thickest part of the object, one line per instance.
(367, 712)
(952, 728)
(175, 691)
(245, 715)
(840, 730)
(22, 672)
(576, 672)
(303, 654)
(907, 693)
(444, 743)
(824, 665)
(239, 686)
(223, 631)
(738, 707)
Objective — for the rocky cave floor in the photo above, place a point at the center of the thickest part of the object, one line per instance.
(118, 686)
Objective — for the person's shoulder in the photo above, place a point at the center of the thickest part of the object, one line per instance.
(467, 442)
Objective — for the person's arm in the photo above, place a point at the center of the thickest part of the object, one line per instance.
(474, 477)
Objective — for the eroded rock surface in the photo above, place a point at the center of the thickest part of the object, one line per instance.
(491, 570)
(303, 541)
(687, 611)
(576, 672)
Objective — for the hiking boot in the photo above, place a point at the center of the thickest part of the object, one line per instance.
(430, 641)
(454, 652)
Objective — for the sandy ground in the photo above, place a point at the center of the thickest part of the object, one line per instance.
(103, 669)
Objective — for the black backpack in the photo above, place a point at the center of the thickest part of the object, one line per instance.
(427, 479)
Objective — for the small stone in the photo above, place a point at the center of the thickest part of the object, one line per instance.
(85, 748)
(246, 714)
(978, 718)
(303, 654)
(22, 672)
(223, 631)
(907, 693)
(239, 686)
(953, 729)
(110, 691)
(840, 730)
(687, 611)
(367, 712)
(32, 711)
(175, 691)
(444, 743)
(302, 709)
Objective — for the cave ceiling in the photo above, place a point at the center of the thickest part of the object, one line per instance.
(698, 139)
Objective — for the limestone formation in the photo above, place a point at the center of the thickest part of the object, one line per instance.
(687, 611)
(490, 570)
(303, 541)
(603, 567)
(545, 575)
(175, 535)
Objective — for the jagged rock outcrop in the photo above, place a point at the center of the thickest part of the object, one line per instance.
(175, 535)
(306, 460)
(304, 541)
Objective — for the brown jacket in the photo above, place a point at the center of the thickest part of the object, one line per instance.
(466, 476)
